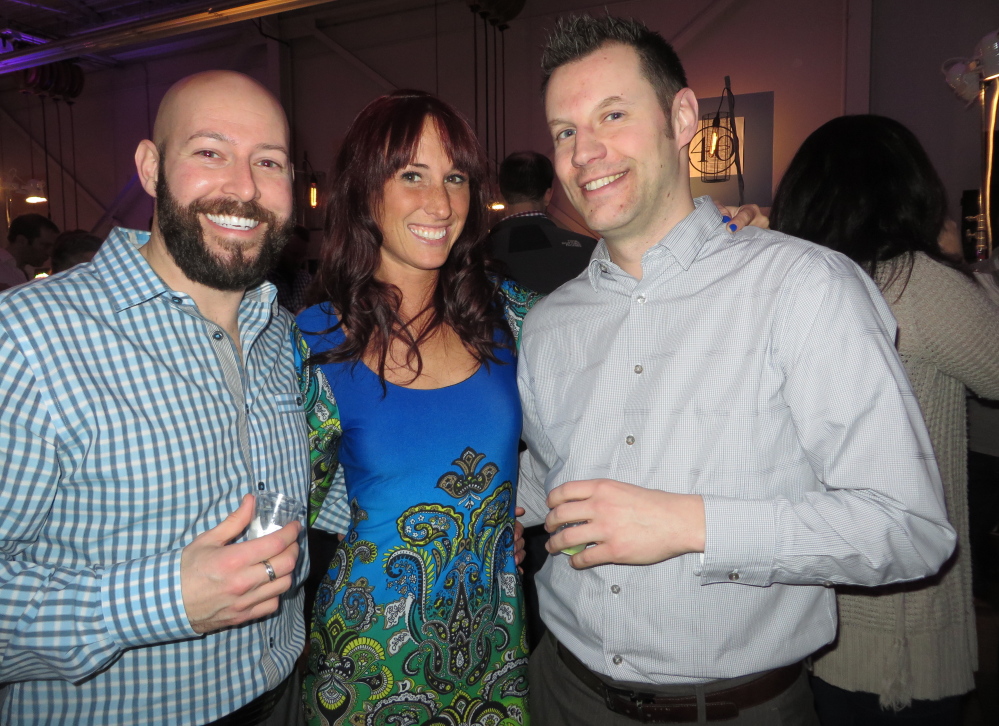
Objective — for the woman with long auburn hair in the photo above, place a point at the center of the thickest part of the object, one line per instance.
(409, 374)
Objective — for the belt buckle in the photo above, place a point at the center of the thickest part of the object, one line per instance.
(628, 703)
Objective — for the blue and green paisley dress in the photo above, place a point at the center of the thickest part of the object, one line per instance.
(419, 619)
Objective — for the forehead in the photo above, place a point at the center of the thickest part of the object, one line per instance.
(430, 147)
(244, 120)
(47, 235)
(612, 70)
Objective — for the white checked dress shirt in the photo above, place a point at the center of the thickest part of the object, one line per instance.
(127, 428)
(758, 371)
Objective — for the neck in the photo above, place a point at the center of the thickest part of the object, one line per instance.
(528, 206)
(417, 288)
(219, 306)
(626, 248)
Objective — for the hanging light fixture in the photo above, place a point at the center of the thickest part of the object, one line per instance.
(313, 180)
(34, 191)
(715, 148)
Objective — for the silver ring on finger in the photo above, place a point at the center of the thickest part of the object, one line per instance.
(270, 570)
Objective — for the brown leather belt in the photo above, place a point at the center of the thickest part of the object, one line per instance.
(653, 708)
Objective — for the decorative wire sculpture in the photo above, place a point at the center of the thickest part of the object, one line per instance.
(713, 146)
(714, 150)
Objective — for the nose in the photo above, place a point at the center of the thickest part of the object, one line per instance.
(240, 182)
(586, 148)
(438, 202)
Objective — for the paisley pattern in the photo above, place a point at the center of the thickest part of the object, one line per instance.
(419, 618)
(323, 418)
(321, 409)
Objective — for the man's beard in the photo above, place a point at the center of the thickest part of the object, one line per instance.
(184, 238)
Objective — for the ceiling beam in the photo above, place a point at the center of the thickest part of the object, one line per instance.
(144, 30)
(321, 35)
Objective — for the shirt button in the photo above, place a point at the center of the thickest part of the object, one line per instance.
(217, 335)
(630, 440)
(603, 268)
(272, 642)
(298, 400)
(615, 589)
(639, 369)
(176, 300)
(733, 576)
(618, 660)
(827, 584)
(641, 299)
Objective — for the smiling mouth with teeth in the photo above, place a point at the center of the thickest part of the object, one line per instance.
(429, 233)
(602, 182)
(227, 221)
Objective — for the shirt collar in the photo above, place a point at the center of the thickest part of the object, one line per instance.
(131, 281)
(683, 242)
(518, 215)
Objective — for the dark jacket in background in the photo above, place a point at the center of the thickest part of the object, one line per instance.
(539, 254)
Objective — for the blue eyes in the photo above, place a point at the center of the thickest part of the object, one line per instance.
(570, 132)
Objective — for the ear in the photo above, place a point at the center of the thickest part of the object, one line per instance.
(147, 165)
(685, 117)
(547, 199)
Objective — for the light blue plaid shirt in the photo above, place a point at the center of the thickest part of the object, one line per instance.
(128, 428)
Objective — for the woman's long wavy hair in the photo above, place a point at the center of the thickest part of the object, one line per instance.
(863, 185)
(382, 140)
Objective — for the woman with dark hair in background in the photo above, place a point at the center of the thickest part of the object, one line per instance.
(863, 185)
(419, 618)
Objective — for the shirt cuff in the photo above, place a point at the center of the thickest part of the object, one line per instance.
(143, 602)
(334, 516)
(740, 541)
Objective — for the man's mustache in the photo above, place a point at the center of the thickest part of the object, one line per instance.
(234, 208)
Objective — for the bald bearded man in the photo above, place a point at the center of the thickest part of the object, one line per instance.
(145, 396)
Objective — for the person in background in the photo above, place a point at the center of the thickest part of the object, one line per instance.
(144, 396)
(291, 274)
(419, 619)
(27, 248)
(73, 248)
(539, 254)
(722, 417)
(864, 186)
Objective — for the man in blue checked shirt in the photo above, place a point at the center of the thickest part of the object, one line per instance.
(144, 396)
(723, 417)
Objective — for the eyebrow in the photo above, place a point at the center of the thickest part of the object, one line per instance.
(229, 140)
(609, 101)
(427, 167)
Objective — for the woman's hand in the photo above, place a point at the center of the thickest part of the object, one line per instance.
(748, 215)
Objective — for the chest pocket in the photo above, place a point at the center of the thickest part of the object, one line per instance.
(288, 403)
